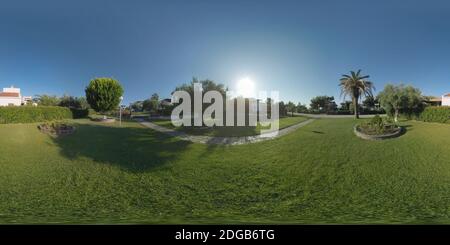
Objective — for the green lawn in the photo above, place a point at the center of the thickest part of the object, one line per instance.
(320, 173)
(229, 131)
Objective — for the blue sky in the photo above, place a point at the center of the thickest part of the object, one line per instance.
(300, 48)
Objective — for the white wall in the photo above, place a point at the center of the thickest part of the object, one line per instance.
(5, 101)
(445, 100)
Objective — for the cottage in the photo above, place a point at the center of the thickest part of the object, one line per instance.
(11, 97)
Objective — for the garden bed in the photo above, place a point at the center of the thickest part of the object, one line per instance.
(394, 132)
(56, 129)
(377, 129)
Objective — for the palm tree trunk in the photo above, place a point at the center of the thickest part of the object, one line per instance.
(355, 107)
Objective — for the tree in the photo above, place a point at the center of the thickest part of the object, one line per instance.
(356, 86)
(291, 107)
(137, 106)
(323, 103)
(103, 94)
(397, 99)
(369, 102)
(301, 108)
(47, 100)
(151, 104)
(70, 101)
(282, 109)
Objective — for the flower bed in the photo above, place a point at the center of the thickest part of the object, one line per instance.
(56, 129)
(377, 129)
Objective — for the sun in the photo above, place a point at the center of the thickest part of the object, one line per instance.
(246, 88)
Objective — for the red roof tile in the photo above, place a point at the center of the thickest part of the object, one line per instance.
(7, 94)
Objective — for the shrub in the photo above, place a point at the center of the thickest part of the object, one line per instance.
(439, 114)
(378, 126)
(103, 94)
(30, 114)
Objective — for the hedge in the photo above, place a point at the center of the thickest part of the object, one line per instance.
(30, 114)
(439, 114)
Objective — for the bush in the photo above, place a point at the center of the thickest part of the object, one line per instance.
(30, 114)
(79, 113)
(439, 114)
(378, 126)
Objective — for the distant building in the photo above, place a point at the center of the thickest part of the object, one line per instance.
(445, 100)
(11, 97)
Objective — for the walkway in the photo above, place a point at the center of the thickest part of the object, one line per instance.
(223, 140)
(334, 116)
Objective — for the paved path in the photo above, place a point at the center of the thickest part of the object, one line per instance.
(334, 116)
(223, 140)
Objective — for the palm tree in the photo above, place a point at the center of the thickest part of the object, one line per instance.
(356, 86)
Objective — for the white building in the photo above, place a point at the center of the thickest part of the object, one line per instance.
(446, 100)
(12, 97)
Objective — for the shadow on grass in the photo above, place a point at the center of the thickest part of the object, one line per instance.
(133, 149)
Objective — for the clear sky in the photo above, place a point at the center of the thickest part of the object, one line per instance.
(300, 48)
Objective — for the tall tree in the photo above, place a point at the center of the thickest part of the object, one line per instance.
(356, 86)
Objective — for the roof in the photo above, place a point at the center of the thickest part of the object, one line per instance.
(8, 94)
(446, 95)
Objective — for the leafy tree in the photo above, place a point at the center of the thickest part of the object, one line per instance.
(291, 107)
(282, 109)
(356, 86)
(103, 94)
(301, 108)
(70, 101)
(207, 85)
(137, 106)
(323, 103)
(47, 100)
(370, 102)
(400, 99)
(151, 104)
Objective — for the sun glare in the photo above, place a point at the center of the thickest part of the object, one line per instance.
(245, 88)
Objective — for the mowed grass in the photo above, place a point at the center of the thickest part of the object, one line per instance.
(229, 131)
(320, 173)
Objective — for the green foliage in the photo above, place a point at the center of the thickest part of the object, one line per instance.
(137, 106)
(103, 94)
(29, 114)
(439, 114)
(291, 107)
(377, 125)
(301, 108)
(401, 99)
(151, 104)
(323, 104)
(47, 100)
(356, 85)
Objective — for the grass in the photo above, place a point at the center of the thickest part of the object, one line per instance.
(229, 131)
(320, 173)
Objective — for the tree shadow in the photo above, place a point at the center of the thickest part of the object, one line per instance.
(317, 132)
(133, 149)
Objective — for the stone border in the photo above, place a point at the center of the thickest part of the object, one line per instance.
(362, 135)
(212, 140)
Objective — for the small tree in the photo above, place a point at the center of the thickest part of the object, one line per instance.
(103, 94)
(47, 100)
(291, 107)
(301, 108)
(397, 99)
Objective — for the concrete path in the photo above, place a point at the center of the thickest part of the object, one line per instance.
(334, 116)
(223, 140)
